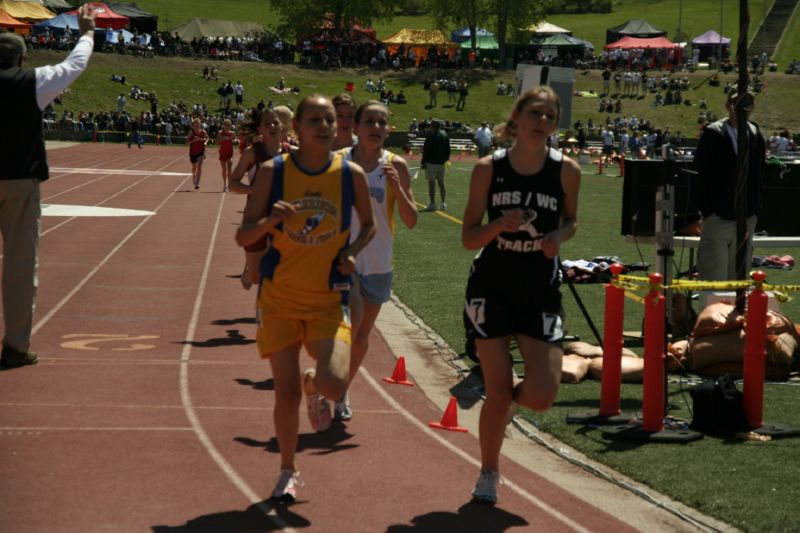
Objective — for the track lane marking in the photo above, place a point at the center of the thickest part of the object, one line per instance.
(56, 308)
(70, 219)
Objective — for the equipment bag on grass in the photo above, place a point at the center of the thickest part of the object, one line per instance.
(718, 408)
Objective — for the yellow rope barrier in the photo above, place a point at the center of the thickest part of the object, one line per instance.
(634, 284)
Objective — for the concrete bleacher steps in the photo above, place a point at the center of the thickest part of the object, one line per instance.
(771, 31)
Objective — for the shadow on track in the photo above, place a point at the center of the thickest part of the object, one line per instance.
(247, 521)
(469, 517)
(326, 442)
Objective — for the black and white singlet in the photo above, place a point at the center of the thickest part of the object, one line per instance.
(513, 287)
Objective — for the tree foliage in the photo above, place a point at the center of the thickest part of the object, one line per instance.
(505, 18)
(304, 17)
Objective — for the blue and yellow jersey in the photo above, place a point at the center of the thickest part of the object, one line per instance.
(300, 270)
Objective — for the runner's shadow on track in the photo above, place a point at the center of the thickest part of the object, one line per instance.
(251, 519)
(267, 384)
(325, 443)
(234, 338)
(234, 321)
(469, 517)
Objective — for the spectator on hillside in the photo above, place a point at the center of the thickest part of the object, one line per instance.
(606, 75)
(432, 90)
(463, 92)
(238, 90)
(121, 101)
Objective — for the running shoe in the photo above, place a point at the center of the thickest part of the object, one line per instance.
(319, 412)
(286, 488)
(245, 279)
(485, 490)
(442, 206)
(431, 207)
(341, 408)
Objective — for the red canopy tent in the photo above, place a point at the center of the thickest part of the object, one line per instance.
(9, 22)
(637, 42)
(105, 17)
(648, 44)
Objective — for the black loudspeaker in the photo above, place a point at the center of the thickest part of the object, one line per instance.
(642, 177)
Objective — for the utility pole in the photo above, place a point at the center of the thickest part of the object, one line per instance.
(719, 51)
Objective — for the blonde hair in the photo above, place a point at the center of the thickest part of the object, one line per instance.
(285, 115)
(508, 130)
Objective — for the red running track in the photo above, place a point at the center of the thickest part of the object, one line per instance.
(150, 409)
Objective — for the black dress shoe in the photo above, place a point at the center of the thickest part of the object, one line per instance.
(12, 358)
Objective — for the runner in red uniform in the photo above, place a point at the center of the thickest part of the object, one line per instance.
(225, 140)
(197, 140)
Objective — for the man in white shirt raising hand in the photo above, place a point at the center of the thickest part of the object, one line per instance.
(24, 94)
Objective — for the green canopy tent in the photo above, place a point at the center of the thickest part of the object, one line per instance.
(487, 47)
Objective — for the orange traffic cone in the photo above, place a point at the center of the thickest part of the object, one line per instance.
(399, 375)
(450, 418)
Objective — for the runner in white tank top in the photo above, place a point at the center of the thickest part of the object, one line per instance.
(389, 188)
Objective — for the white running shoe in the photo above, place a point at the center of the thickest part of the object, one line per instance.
(319, 412)
(286, 487)
(319, 409)
(341, 408)
(442, 206)
(485, 490)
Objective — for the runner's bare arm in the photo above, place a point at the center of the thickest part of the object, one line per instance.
(400, 182)
(246, 161)
(571, 183)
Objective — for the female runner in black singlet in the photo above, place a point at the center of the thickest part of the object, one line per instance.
(529, 193)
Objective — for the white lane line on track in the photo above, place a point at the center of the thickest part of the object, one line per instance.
(132, 185)
(186, 398)
(65, 210)
(111, 171)
(468, 458)
(56, 308)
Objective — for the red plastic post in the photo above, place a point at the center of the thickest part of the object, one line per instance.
(621, 165)
(755, 352)
(600, 164)
(653, 383)
(612, 346)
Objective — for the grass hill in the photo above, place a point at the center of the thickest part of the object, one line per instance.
(178, 79)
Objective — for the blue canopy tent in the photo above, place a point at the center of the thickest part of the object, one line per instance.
(463, 34)
(57, 24)
(112, 36)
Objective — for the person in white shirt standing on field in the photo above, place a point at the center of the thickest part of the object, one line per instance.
(483, 137)
(24, 94)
